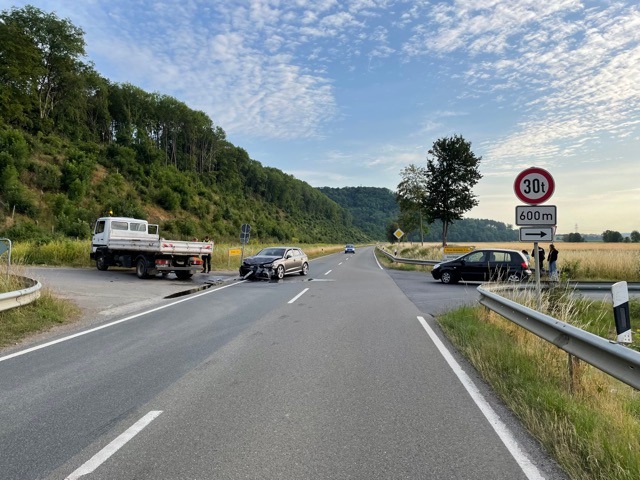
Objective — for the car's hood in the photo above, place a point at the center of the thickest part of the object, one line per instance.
(260, 260)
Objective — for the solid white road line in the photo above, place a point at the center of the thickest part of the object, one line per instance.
(528, 468)
(104, 454)
(106, 325)
(298, 296)
(328, 272)
(376, 259)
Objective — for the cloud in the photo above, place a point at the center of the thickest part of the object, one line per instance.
(580, 62)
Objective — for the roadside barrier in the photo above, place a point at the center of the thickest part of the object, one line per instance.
(608, 356)
(21, 297)
(611, 357)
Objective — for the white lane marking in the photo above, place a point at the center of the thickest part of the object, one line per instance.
(104, 454)
(298, 296)
(376, 259)
(528, 468)
(328, 272)
(340, 264)
(106, 325)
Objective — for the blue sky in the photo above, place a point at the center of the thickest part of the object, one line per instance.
(348, 93)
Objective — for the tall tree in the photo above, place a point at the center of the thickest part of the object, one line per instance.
(52, 49)
(411, 196)
(452, 172)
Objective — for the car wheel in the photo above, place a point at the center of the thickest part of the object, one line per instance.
(141, 268)
(280, 272)
(305, 269)
(514, 277)
(447, 277)
(101, 263)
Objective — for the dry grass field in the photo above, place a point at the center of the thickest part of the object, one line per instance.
(576, 261)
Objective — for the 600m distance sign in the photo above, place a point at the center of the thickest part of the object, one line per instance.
(534, 185)
(536, 215)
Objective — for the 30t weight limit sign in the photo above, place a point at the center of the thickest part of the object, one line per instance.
(534, 185)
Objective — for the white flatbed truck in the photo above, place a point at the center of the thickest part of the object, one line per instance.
(131, 242)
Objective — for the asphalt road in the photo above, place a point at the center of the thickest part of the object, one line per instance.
(341, 374)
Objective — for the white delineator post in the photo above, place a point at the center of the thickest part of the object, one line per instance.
(620, 295)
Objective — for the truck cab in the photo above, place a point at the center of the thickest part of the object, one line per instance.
(122, 228)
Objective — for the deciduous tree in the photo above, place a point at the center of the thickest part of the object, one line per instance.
(411, 196)
(452, 172)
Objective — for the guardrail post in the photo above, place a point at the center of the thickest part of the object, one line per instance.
(620, 294)
(574, 367)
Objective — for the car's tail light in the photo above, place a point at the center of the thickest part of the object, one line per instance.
(524, 265)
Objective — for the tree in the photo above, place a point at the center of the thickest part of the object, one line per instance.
(47, 73)
(635, 236)
(611, 236)
(573, 238)
(452, 172)
(412, 196)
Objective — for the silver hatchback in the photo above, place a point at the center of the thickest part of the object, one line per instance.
(275, 262)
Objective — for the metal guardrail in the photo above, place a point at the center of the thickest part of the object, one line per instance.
(411, 261)
(17, 298)
(610, 357)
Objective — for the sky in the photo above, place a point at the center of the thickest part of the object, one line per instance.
(348, 93)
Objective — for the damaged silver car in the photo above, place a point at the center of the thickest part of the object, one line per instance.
(275, 262)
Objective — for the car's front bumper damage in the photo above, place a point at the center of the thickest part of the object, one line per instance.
(257, 272)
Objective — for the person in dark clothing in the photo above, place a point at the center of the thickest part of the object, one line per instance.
(540, 259)
(553, 258)
(206, 259)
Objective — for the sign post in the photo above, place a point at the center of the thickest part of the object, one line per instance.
(244, 237)
(535, 185)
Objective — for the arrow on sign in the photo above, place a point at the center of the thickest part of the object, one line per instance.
(536, 234)
(540, 234)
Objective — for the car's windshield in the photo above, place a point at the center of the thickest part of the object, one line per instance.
(272, 252)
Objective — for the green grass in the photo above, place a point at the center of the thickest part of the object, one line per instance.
(40, 315)
(593, 431)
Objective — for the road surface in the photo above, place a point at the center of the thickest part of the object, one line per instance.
(335, 375)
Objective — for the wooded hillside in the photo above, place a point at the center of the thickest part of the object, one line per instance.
(75, 146)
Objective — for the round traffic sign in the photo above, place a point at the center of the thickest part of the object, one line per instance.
(534, 185)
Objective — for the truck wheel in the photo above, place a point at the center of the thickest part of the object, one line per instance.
(183, 275)
(141, 268)
(101, 263)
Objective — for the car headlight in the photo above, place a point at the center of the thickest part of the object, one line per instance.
(268, 265)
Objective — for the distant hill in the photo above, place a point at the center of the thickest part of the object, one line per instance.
(372, 208)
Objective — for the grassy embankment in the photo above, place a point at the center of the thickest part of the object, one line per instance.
(48, 311)
(590, 422)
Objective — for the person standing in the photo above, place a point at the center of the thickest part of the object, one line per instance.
(206, 259)
(539, 259)
(527, 257)
(553, 258)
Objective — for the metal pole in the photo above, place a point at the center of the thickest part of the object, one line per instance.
(538, 289)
